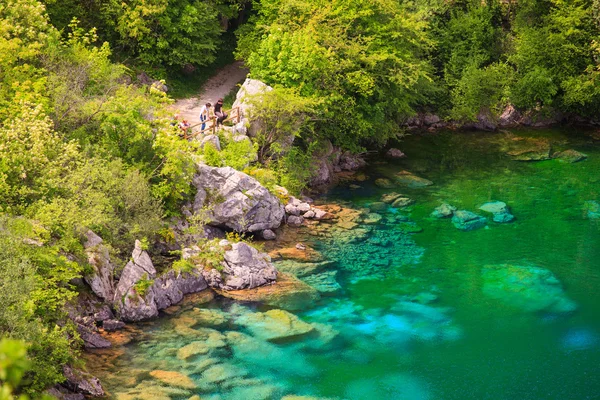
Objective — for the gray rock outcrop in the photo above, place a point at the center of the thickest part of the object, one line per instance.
(101, 278)
(244, 267)
(170, 288)
(235, 200)
(213, 140)
(509, 118)
(81, 382)
(130, 305)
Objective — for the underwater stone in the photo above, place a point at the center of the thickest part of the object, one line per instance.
(324, 282)
(402, 202)
(529, 288)
(384, 183)
(570, 156)
(372, 218)
(411, 180)
(500, 211)
(173, 378)
(192, 349)
(592, 209)
(288, 292)
(443, 211)
(467, 220)
(378, 206)
(390, 197)
(275, 325)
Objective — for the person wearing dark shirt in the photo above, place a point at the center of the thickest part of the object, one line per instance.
(219, 113)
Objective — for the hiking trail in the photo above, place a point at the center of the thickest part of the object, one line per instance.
(218, 86)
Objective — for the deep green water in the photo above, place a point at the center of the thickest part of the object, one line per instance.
(415, 318)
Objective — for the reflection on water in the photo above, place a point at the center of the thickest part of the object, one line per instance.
(412, 307)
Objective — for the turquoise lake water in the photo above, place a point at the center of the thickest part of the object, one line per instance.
(427, 311)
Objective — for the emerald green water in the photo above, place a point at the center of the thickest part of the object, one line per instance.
(415, 317)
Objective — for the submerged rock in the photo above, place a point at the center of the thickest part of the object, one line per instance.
(173, 378)
(528, 288)
(569, 156)
(592, 209)
(402, 201)
(390, 197)
(275, 325)
(235, 200)
(288, 292)
(384, 183)
(411, 180)
(500, 211)
(467, 220)
(528, 149)
(443, 211)
(395, 153)
(324, 282)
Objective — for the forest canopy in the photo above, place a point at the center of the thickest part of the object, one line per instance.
(83, 145)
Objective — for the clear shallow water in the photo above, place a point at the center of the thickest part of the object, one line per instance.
(415, 319)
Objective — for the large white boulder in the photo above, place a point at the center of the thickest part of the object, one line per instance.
(234, 200)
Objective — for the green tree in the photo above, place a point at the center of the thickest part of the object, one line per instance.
(361, 59)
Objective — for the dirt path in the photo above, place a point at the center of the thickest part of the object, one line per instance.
(216, 87)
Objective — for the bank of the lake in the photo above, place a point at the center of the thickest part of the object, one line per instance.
(411, 307)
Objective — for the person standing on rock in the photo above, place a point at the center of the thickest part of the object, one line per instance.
(204, 114)
(220, 114)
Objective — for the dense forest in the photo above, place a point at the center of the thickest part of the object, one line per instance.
(83, 145)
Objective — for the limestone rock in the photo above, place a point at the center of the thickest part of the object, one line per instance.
(128, 303)
(323, 174)
(528, 149)
(390, 197)
(236, 200)
(402, 202)
(509, 118)
(101, 279)
(268, 234)
(275, 325)
(191, 350)
(173, 378)
(372, 218)
(430, 119)
(411, 180)
(484, 122)
(294, 220)
(570, 156)
(443, 211)
(351, 162)
(467, 220)
(395, 153)
(288, 292)
(325, 282)
(212, 140)
(500, 211)
(170, 288)
(81, 382)
(244, 267)
(249, 88)
(384, 183)
(529, 288)
(592, 209)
